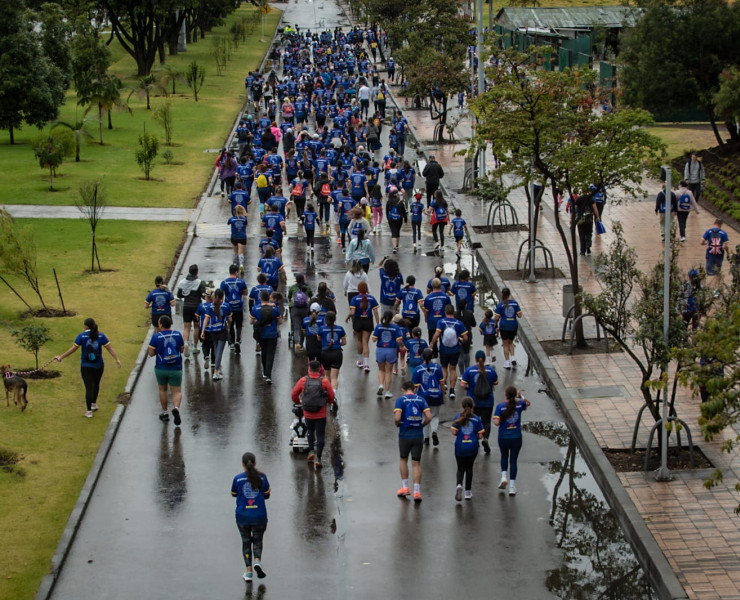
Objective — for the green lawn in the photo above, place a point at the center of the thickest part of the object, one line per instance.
(57, 443)
(686, 137)
(198, 126)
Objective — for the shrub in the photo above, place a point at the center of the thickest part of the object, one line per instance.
(147, 152)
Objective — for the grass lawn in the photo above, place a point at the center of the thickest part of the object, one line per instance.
(57, 443)
(197, 126)
(685, 137)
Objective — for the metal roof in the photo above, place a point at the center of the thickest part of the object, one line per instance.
(576, 17)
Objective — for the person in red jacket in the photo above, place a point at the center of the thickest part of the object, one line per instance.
(313, 392)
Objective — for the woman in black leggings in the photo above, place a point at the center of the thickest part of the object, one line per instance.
(467, 429)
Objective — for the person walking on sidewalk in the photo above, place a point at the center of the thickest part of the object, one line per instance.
(167, 345)
(686, 203)
(717, 242)
(160, 300)
(396, 215)
(467, 429)
(265, 319)
(432, 173)
(388, 338)
(191, 290)
(585, 212)
(660, 208)
(251, 489)
(451, 333)
(440, 217)
(313, 392)
(428, 381)
(363, 311)
(235, 288)
(508, 313)
(478, 380)
(92, 343)
(694, 174)
(508, 418)
(411, 414)
(216, 324)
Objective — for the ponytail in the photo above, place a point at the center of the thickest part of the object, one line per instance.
(511, 393)
(482, 366)
(505, 296)
(254, 476)
(218, 298)
(467, 406)
(93, 327)
(314, 317)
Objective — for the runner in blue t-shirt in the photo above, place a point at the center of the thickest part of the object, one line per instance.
(391, 282)
(451, 334)
(216, 325)
(272, 267)
(467, 429)
(388, 339)
(160, 300)
(482, 394)
(168, 345)
(235, 288)
(508, 418)
(238, 224)
(415, 345)
(333, 337)
(417, 213)
(411, 414)
(309, 225)
(409, 300)
(251, 489)
(458, 228)
(489, 331)
(434, 307)
(464, 289)
(428, 381)
(508, 314)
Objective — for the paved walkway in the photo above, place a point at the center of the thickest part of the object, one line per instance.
(123, 213)
(694, 527)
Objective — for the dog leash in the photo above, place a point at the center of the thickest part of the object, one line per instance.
(11, 374)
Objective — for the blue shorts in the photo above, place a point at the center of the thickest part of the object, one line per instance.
(714, 263)
(386, 355)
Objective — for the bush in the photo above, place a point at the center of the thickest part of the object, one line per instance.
(168, 156)
(31, 338)
(147, 152)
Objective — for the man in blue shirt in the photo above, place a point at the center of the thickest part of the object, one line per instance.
(234, 289)
(239, 197)
(167, 345)
(464, 289)
(717, 242)
(434, 308)
(451, 332)
(410, 414)
(276, 222)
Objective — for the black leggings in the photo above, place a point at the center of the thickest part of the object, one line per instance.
(297, 314)
(91, 378)
(325, 213)
(395, 227)
(316, 428)
(485, 413)
(268, 345)
(438, 230)
(252, 542)
(465, 470)
(235, 327)
(309, 237)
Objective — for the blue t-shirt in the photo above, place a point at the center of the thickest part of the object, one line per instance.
(239, 198)
(271, 268)
(463, 290)
(716, 239)
(512, 427)
(389, 288)
(466, 436)
(92, 351)
(412, 408)
(428, 377)
(281, 202)
(315, 329)
(417, 211)
(272, 221)
(415, 346)
(470, 377)
(357, 182)
(309, 220)
(488, 328)
(254, 293)
(269, 330)
(331, 337)
(509, 320)
(167, 346)
(387, 336)
(160, 300)
(458, 227)
(460, 329)
(435, 303)
(357, 303)
(250, 504)
(445, 281)
(215, 322)
(409, 297)
(234, 287)
(238, 227)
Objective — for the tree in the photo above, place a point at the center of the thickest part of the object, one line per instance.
(147, 152)
(170, 74)
(195, 75)
(90, 61)
(541, 124)
(31, 338)
(79, 132)
(163, 116)
(145, 87)
(675, 53)
(92, 205)
(56, 33)
(727, 98)
(31, 85)
(50, 150)
(18, 253)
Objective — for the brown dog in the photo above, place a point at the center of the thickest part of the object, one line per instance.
(17, 385)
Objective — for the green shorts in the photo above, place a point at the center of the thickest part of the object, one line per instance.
(171, 377)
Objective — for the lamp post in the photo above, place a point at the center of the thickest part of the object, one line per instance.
(481, 75)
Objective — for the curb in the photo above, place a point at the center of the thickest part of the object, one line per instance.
(49, 580)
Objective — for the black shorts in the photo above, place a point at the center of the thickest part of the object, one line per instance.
(449, 359)
(188, 314)
(507, 334)
(313, 349)
(490, 339)
(412, 446)
(458, 239)
(395, 227)
(362, 324)
(235, 241)
(332, 359)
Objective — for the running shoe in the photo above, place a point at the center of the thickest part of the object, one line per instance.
(311, 457)
(187, 350)
(403, 492)
(247, 576)
(503, 484)
(164, 417)
(486, 446)
(468, 495)
(268, 381)
(388, 395)
(426, 441)
(217, 375)
(317, 465)
(241, 270)
(512, 489)
(207, 364)
(367, 368)
(196, 350)
(417, 497)
(359, 364)
(93, 407)
(459, 493)
(176, 416)
(259, 570)
(507, 364)
(395, 250)
(513, 363)
(88, 414)
(380, 391)
(435, 438)
(452, 394)
(237, 348)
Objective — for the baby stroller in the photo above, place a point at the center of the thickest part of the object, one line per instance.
(298, 439)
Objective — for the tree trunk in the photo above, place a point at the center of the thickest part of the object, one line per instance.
(77, 151)
(732, 130)
(147, 100)
(100, 122)
(713, 121)
(92, 257)
(51, 175)
(110, 121)
(12, 135)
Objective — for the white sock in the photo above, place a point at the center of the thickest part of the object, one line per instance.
(366, 361)
(235, 259)
(417, 487)
(404, 483)
(503, 475)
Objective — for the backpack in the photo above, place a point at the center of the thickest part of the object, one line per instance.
(688, 302)
(715, 244)
(93, 351)
(326, 189)
(394, 213)
(449, 336)
(313, 398)
(261, 181)
(684, 202)
(171, 354)
(482, 390)
(299, 298)
(265, 319)
(297, 189)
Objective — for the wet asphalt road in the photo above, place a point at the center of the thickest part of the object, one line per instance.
(160, 523)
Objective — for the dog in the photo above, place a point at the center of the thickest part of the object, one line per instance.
(17, 385)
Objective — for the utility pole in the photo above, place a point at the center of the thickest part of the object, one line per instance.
(481, 74)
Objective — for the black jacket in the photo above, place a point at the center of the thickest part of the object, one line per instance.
(433, 172)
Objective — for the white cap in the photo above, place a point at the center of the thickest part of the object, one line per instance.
(315, 307)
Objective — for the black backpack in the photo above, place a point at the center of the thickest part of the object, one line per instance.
(313, 398)
(266, 318)
(482, 388)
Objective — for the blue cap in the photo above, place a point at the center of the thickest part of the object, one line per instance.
(480, 355)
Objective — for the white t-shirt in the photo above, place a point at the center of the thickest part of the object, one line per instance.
(363, 93)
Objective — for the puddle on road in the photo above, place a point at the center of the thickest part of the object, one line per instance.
(598, 561)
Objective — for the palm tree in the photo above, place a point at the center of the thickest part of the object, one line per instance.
(79, 130)
(147, 85)
(106, 95)
(169, 73)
